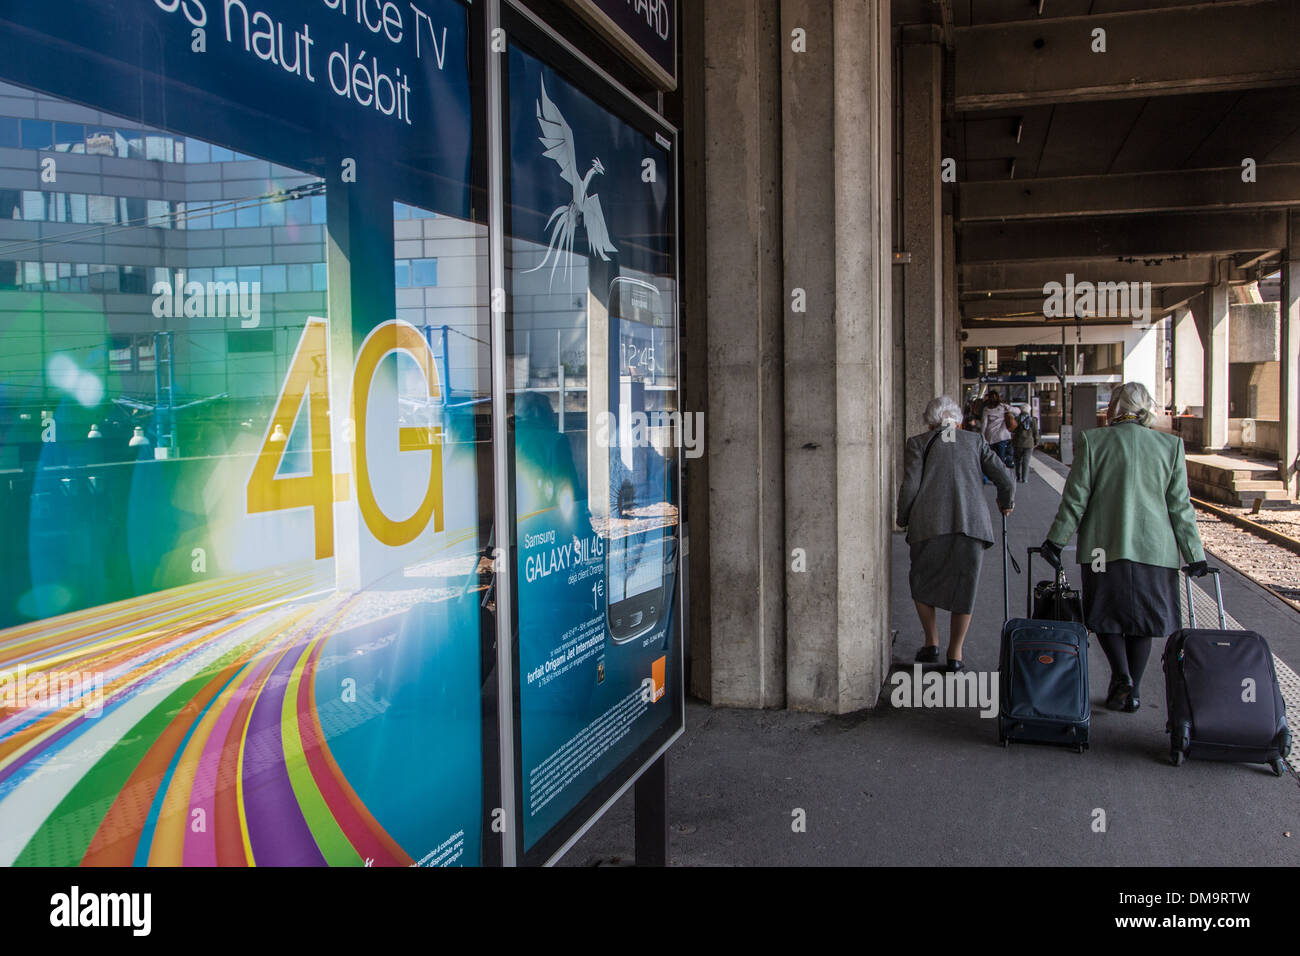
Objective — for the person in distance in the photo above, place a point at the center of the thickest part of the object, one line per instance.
(941, 504)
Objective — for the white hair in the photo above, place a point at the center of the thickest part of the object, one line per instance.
(1132, 398)
(941, 412)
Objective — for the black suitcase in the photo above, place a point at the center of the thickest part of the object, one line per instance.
(1043, 677)
(1222, 694)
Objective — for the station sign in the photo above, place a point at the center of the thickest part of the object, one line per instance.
(644, 31)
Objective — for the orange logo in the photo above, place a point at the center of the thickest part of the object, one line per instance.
(1046, 659)
(657, 675)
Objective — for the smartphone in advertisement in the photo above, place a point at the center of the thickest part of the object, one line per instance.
(641, 554)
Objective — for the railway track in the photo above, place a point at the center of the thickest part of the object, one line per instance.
(1267, 553)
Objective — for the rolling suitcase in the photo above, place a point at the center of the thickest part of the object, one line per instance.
(1222, 695)
(1043, 676)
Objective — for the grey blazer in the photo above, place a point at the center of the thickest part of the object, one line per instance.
(951, 498)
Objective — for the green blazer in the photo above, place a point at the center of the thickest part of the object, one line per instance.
(1127, 495)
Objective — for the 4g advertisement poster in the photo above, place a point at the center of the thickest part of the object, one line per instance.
(242, 616)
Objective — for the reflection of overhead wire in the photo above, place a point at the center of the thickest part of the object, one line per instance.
(188, 215)
(140, 406)
(468, 336)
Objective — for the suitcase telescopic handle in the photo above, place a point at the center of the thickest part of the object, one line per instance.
(1029, 582)
(1218, 596)
(1006, 585)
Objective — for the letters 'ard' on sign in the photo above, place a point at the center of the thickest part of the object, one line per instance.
(644, 31)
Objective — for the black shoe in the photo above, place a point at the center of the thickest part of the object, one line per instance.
(1133, 704)
(1120, 693)
(929, 654)
(954, 665)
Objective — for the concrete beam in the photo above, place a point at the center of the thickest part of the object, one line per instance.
(1245, 261)
(1009, 277)
(1184, 49)
(1108, 237)
(1174, 298)
(1030, 322)
(990, 308)
(1066, 196)
(1031, 307)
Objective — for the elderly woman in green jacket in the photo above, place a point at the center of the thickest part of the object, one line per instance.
(1127, 498)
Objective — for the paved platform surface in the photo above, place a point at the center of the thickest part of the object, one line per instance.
(1236, 461)
(933, 787)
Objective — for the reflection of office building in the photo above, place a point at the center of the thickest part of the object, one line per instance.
(124, 210)
(157, 287)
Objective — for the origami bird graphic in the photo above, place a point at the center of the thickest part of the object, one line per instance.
(584, 209)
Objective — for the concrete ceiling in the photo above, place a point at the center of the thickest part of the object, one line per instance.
(977, 12)
(1099, 137)
(1117, 165)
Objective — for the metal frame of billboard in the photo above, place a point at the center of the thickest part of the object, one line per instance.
(553, 845)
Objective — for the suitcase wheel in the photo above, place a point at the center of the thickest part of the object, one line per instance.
(1080, 748)
(1176, 757)
(1279, 767)
(1003, 741)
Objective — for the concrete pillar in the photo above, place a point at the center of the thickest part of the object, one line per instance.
(951, 319)
(1289, 398)
(1159, 394)
(745, 306)
(808, 208)
(1141, 355)
(838, 353)
(800, 351)
(1189, 361)
(920, 93)
(867, 442)
(1215, 341)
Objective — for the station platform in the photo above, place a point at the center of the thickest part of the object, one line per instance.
(902, 787)
(1234, 479)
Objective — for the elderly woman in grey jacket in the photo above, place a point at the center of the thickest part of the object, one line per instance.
(941, 504)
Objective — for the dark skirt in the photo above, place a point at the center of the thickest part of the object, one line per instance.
(1131, 598)
(945, 572)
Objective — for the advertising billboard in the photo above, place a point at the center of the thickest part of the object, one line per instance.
(591, 342)
(241, 610)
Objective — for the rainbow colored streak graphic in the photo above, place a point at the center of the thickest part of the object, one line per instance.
(210, 748)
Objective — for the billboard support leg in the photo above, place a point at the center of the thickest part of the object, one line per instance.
(650, 812)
